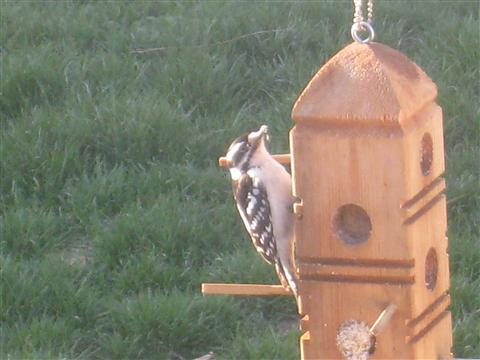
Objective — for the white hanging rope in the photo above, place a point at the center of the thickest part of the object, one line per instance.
(360, 25)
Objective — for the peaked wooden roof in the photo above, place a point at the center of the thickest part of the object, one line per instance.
(365, 84)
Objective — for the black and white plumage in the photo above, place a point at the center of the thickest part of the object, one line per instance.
(255, 211)
(263, 192)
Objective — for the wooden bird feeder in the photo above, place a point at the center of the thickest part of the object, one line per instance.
(370, 234)
(368, 165)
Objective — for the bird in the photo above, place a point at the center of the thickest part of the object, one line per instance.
(262, 189)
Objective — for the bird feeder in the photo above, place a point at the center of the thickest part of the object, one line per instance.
(368, 165)
(370, 231)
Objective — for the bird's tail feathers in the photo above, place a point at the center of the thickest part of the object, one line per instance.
(287, 279)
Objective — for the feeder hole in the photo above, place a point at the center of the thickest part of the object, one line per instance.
(431, 269)
(352, 224)
(426, 154)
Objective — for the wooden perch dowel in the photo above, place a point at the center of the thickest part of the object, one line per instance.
(281, 158)
(383, 319)
(243, 289)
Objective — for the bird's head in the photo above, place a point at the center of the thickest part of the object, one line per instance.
(243, 148)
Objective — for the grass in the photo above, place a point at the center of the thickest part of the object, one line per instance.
(113, 210)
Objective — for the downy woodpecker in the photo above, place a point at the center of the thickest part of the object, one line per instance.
(262, 189)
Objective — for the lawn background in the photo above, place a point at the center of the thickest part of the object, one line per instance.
(113, 210)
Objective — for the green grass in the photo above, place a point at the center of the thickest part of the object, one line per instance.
(113, 210)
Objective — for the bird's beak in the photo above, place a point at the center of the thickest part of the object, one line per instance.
(257, 136)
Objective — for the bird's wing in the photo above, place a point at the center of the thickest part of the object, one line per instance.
(254, 208)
